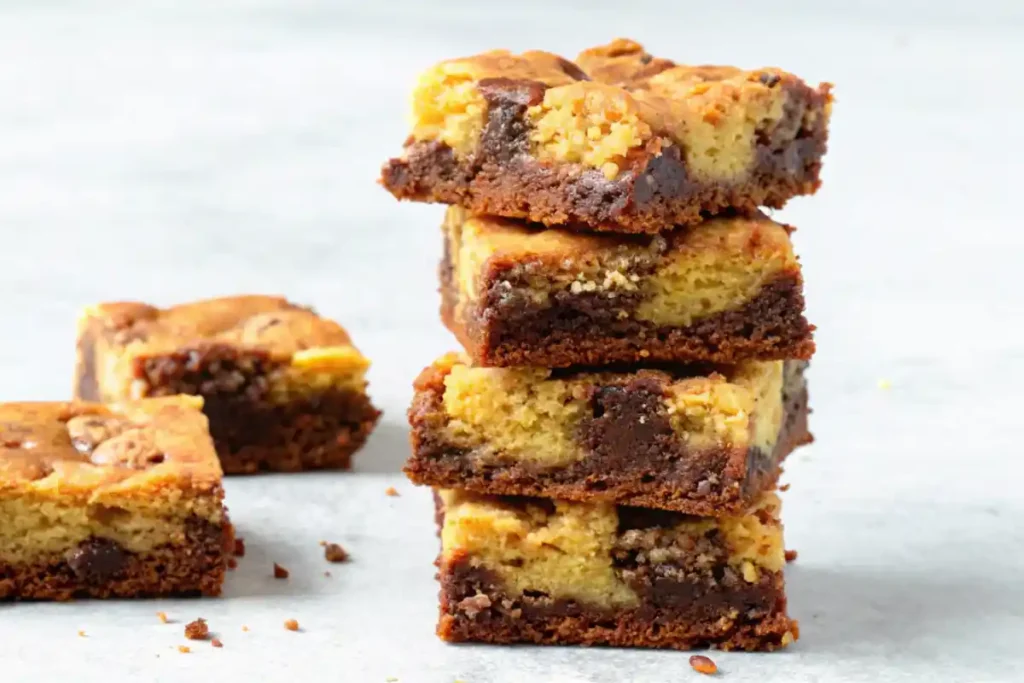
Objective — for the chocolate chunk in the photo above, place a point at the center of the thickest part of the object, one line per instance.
(506, 135)
(769, 79)
(97, 560)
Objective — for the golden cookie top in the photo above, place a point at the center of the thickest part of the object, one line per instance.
(269, 323)
(616, 101)
(106, 451)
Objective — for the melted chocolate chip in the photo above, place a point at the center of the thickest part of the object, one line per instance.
(97, 560)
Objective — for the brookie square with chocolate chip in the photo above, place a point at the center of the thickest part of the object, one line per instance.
(283, 387)
(110, 501)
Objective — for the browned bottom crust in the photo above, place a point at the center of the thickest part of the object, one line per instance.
(100, 568)
(320, 432)
(642, 200)
(585, 329)
(633, 458)
(673, 614)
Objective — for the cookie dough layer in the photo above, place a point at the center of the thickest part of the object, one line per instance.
(729, 289)
(705, 444)
(551, 572)
(618, 141)
(110, 500)
(284, 388)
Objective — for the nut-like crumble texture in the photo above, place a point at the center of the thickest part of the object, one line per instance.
(334, 552)
(531, 414)
(614, 101)
(671, 279)
(197, 630)
(703, 664)
(133, 473)
(288, 348)
(569, 550)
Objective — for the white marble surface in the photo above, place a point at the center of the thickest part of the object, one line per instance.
(191, 148)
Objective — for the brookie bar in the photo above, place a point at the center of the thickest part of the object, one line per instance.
(284, 389)
(619, 140)
(532, 570)
(726, 290)
(688, 439)
(110, 501)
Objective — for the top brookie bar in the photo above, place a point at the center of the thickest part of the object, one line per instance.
(110, 501)
(727, 290)
(618, 141)
(284, 389)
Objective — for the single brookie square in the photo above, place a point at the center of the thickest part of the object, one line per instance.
(284, 389)
(618, 140)
(110, 501)
(533, 570)
(688, 439)
(727, 290)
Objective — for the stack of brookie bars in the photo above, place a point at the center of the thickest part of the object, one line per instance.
(118, 493)
(606, 450)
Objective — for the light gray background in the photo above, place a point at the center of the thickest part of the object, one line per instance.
(193, 149)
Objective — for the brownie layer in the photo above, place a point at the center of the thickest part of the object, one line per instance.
(320, 431)
(253, 427)
(673, 613)
(632, 455)
(100, 568)
(500, 179)
(587, 329)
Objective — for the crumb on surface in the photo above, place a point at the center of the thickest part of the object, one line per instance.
(784, 487)
(280, 572)
(184, 649)
(291, 625)
(884, 384)
(333, 552)
(245, 628)
(391, 491)
(232, 563)
(703, 664)
(216, 642)
(390, 679)
(791, 555)
(323, 543)
(81, 634)
(162, 616)
(239, 547)
(327, 574)
(197, 630)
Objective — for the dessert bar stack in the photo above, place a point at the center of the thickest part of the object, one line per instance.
(604, 451)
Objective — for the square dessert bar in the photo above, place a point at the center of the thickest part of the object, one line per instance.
(533, 570)
(284, 389)
(618, 140)
(110, 501)
(687, 439)
(726, 290)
